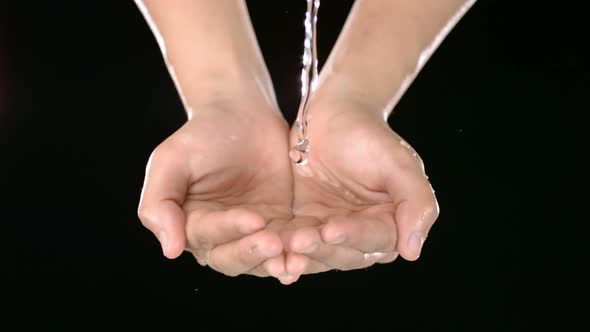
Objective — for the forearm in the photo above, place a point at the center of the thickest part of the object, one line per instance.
(383, 46)
(210, 49)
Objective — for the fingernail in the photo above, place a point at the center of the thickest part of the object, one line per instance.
(163, 238)
(339, 239)
(415, 243)
(311, 248)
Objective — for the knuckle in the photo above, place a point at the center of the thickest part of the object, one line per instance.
(407, 158)
(433, 208)
(159, 152)
(163, 153)
(145, 214)
(430, 210)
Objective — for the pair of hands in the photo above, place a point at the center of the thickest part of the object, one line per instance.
(223, 188)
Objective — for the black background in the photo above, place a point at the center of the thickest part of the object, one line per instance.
(496, 114)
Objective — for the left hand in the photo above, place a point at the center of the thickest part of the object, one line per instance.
(214, 187)
(362, 197)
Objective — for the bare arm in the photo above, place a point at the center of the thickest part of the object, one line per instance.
(383, 46)
(210, 49)
(355, 158)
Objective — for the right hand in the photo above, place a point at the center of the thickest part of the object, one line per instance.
(214, 186)
(362, 197)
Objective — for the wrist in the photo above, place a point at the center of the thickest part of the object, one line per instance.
(336, 101)
(234, 101)
(344, 88)
(199, 86)
(210, 49)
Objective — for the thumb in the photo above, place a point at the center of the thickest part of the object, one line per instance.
(164, 190)
(414, 219)
(415, 213)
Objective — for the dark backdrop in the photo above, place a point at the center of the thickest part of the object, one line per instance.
(496, 115)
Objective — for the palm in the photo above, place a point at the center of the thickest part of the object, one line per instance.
(233, 163)
(345, 171)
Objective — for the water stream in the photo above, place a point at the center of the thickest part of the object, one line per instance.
(309, 75)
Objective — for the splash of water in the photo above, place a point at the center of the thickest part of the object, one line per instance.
(309, 75)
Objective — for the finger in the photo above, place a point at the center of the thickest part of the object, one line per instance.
(307, 241)
(274, 266)
(416, 212)
(164, 190)
(364, 233)
(238, 257)
(303, 264)
(301, 238)
(388, 258)
(199, 255)
(300, 264)
(209, 229)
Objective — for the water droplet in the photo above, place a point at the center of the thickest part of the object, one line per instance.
(300, 152)
(404, 144)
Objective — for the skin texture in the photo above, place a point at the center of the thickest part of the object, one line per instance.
(361, 198)
(383, 46)
(228, 193)
(208, 191)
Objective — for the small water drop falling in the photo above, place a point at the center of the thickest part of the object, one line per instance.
(300, 152)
